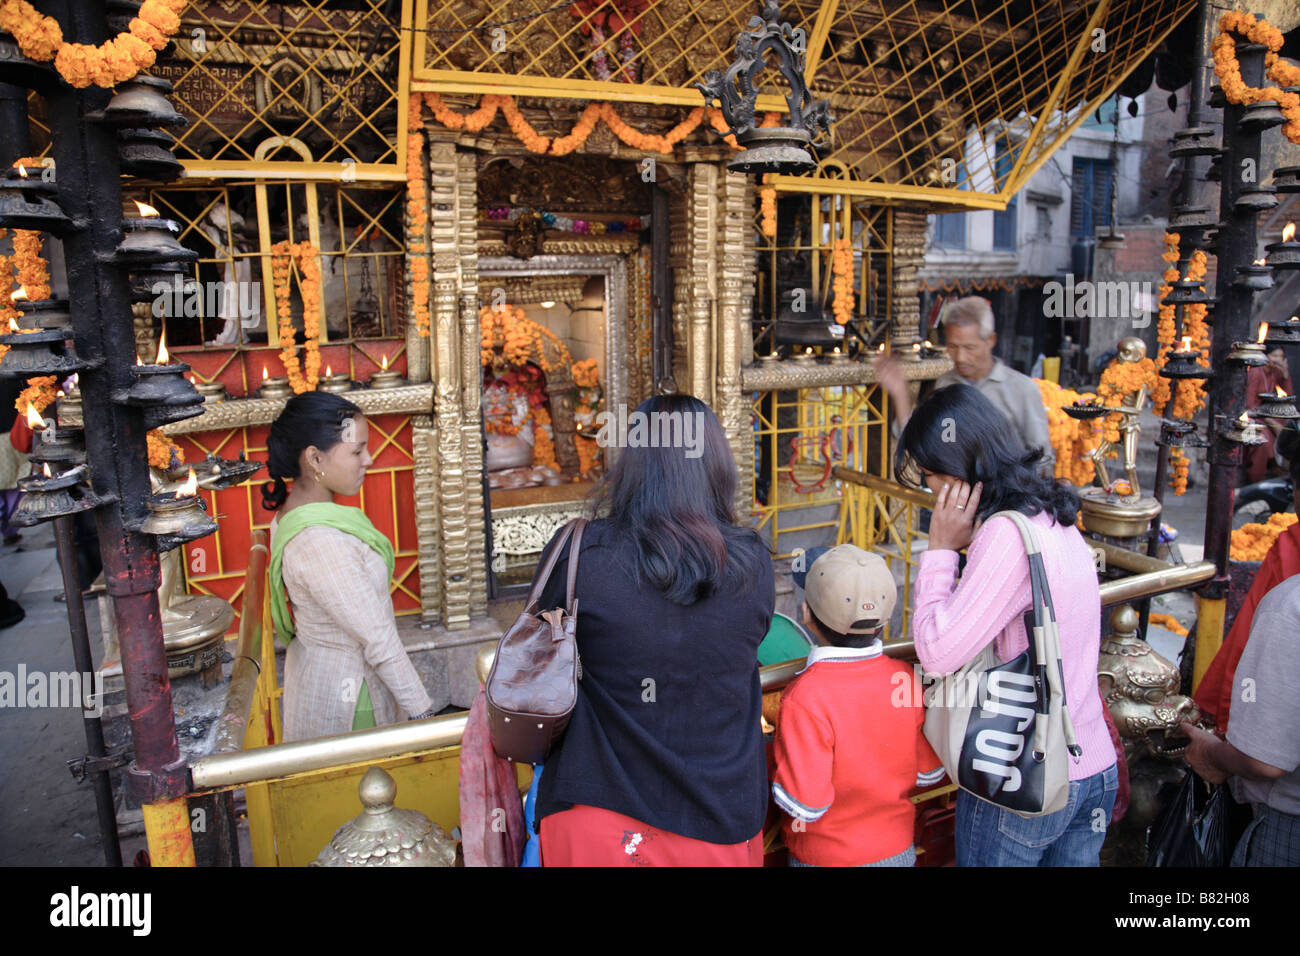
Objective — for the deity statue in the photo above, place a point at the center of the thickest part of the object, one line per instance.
(1131, 350)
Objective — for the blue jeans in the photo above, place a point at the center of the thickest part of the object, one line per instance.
(988, 835)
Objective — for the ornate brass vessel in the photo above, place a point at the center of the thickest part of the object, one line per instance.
(384, 835)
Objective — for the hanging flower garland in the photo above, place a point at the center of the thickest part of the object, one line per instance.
(842, 270)
(1187, 395)
(1280, 71)
(285, 255)
(767, 196)
(1168, 622)
(417, 217)
(114, 61)
(1073, 440)
(39, 393)
(509, 335)
(164, 454)
(562, 145)
(1165, 330)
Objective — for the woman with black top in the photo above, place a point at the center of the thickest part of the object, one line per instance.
(662, 762)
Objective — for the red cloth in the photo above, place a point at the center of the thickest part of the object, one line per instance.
(610, 17)
(1214, 695)
(1121, 765)
(591, 836)
(491, 811)
(20, 436)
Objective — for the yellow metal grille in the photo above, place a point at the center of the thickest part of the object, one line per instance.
(328, 74)
(889, 526)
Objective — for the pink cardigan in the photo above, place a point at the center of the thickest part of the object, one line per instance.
(952, 620)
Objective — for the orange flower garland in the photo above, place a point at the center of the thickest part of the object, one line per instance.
(543, 444)
(112, 62)
(1072, 440)
(768, 198)
(582, 129)
(163, 452)
(518, 338)
(284, 255)
(417, 217)
(1252, 542)
(33, 273)
(1165, 331)
(585, 374)
(1168, 622)
(1188, 395)
(842, 270)
(1179, 465)
(1281, 72)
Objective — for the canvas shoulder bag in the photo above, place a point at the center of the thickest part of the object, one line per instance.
(533, 685)
(1003, 731)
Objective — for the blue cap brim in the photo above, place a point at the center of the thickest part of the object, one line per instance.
(800, 563)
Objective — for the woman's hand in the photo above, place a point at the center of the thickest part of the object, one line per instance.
(952, 524)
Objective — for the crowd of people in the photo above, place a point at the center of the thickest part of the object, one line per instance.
(665, 761)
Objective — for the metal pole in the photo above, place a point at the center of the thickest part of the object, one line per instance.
(88, 173)
(1234, 247)
(81, 656)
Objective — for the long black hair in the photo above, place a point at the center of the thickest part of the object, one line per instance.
(677, 502)
(958, 432)
(311, 418)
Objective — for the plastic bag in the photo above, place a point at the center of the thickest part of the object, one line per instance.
(1192, 829)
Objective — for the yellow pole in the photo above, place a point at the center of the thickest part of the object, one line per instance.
(167, 828)
(1209, 635)
(1052, 369)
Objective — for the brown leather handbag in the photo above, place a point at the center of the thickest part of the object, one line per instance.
(533, 685)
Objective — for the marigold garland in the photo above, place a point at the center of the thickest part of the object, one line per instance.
(543, 442)
(1118, 380)
(115, 61)
(491, 103)
(1280, 71)
(842, 270)
(767, 196)
(285, 255)
(1187, 395)
(417, 217)
(164, 454)
(585, 374)
(1168, 622)
(517, 339)
(1252, 542)
(33, 272)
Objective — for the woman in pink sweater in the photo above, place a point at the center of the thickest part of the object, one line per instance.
(959, 445)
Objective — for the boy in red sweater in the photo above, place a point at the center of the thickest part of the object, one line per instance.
(849, 748)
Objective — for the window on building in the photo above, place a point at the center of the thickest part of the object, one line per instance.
(1091, 183)
(950, 227)
(1004, 220)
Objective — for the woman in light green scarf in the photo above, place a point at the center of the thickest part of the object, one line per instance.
(346, 668)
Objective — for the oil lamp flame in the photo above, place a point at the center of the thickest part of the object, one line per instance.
(1187, 343)
(1280, 392)
(46, 469)
(1288, 232)
(163, 356)
(1260, 262)
(329, 370)
(76, 380)
(265, 376)
(34, 420)
(1243, 421)
(383, 363)
(1263, 331)
(59, 394)
(22, 171)
(13, 325)
(189, 488)
(19, 295)
(882, 347)
(146, 210)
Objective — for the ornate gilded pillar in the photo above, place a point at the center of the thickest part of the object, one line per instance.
(471, 383)
(905, 302)
(447, 359)
(694, 252)
(735, 271)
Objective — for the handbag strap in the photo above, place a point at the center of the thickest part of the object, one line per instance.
(1045, 640)
(544, 574)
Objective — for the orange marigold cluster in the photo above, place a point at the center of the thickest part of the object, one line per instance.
(543, 444)
(1072, 440)
(39, 393)
(509, 333)
(586, 374)
(767, 197)
(417, 220)
(1168, 622)
(1252, 542)
(1281, 72)
(1120, 379)
(33, 272)
(163, 452)
(1165, 328)
(1178, 469)
(284, 256)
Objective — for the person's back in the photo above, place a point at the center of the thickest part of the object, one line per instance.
(664, 687)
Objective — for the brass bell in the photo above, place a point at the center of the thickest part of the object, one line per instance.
(384, 835)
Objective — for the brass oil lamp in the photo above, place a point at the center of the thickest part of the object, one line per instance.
(1276, 405)
(1182, 363)
(61, 447)
(1175, 433)
(44, 314)
(1195, 141)
(140, 102)
(149, 240)
(178, 516)
(147, 153)
(28, 202)
(211, 391)
(1249, 353)
(1257, 277)
(335, 382)
(385, 377)
(164, 278)
(1258, 198)
(1283, 333)
(274, 386)
(1241, 430)
(39, 352)
(162, 390)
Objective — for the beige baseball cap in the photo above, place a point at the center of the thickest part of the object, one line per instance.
(850, 590)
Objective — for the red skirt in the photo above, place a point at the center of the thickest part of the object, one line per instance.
(590, 836)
